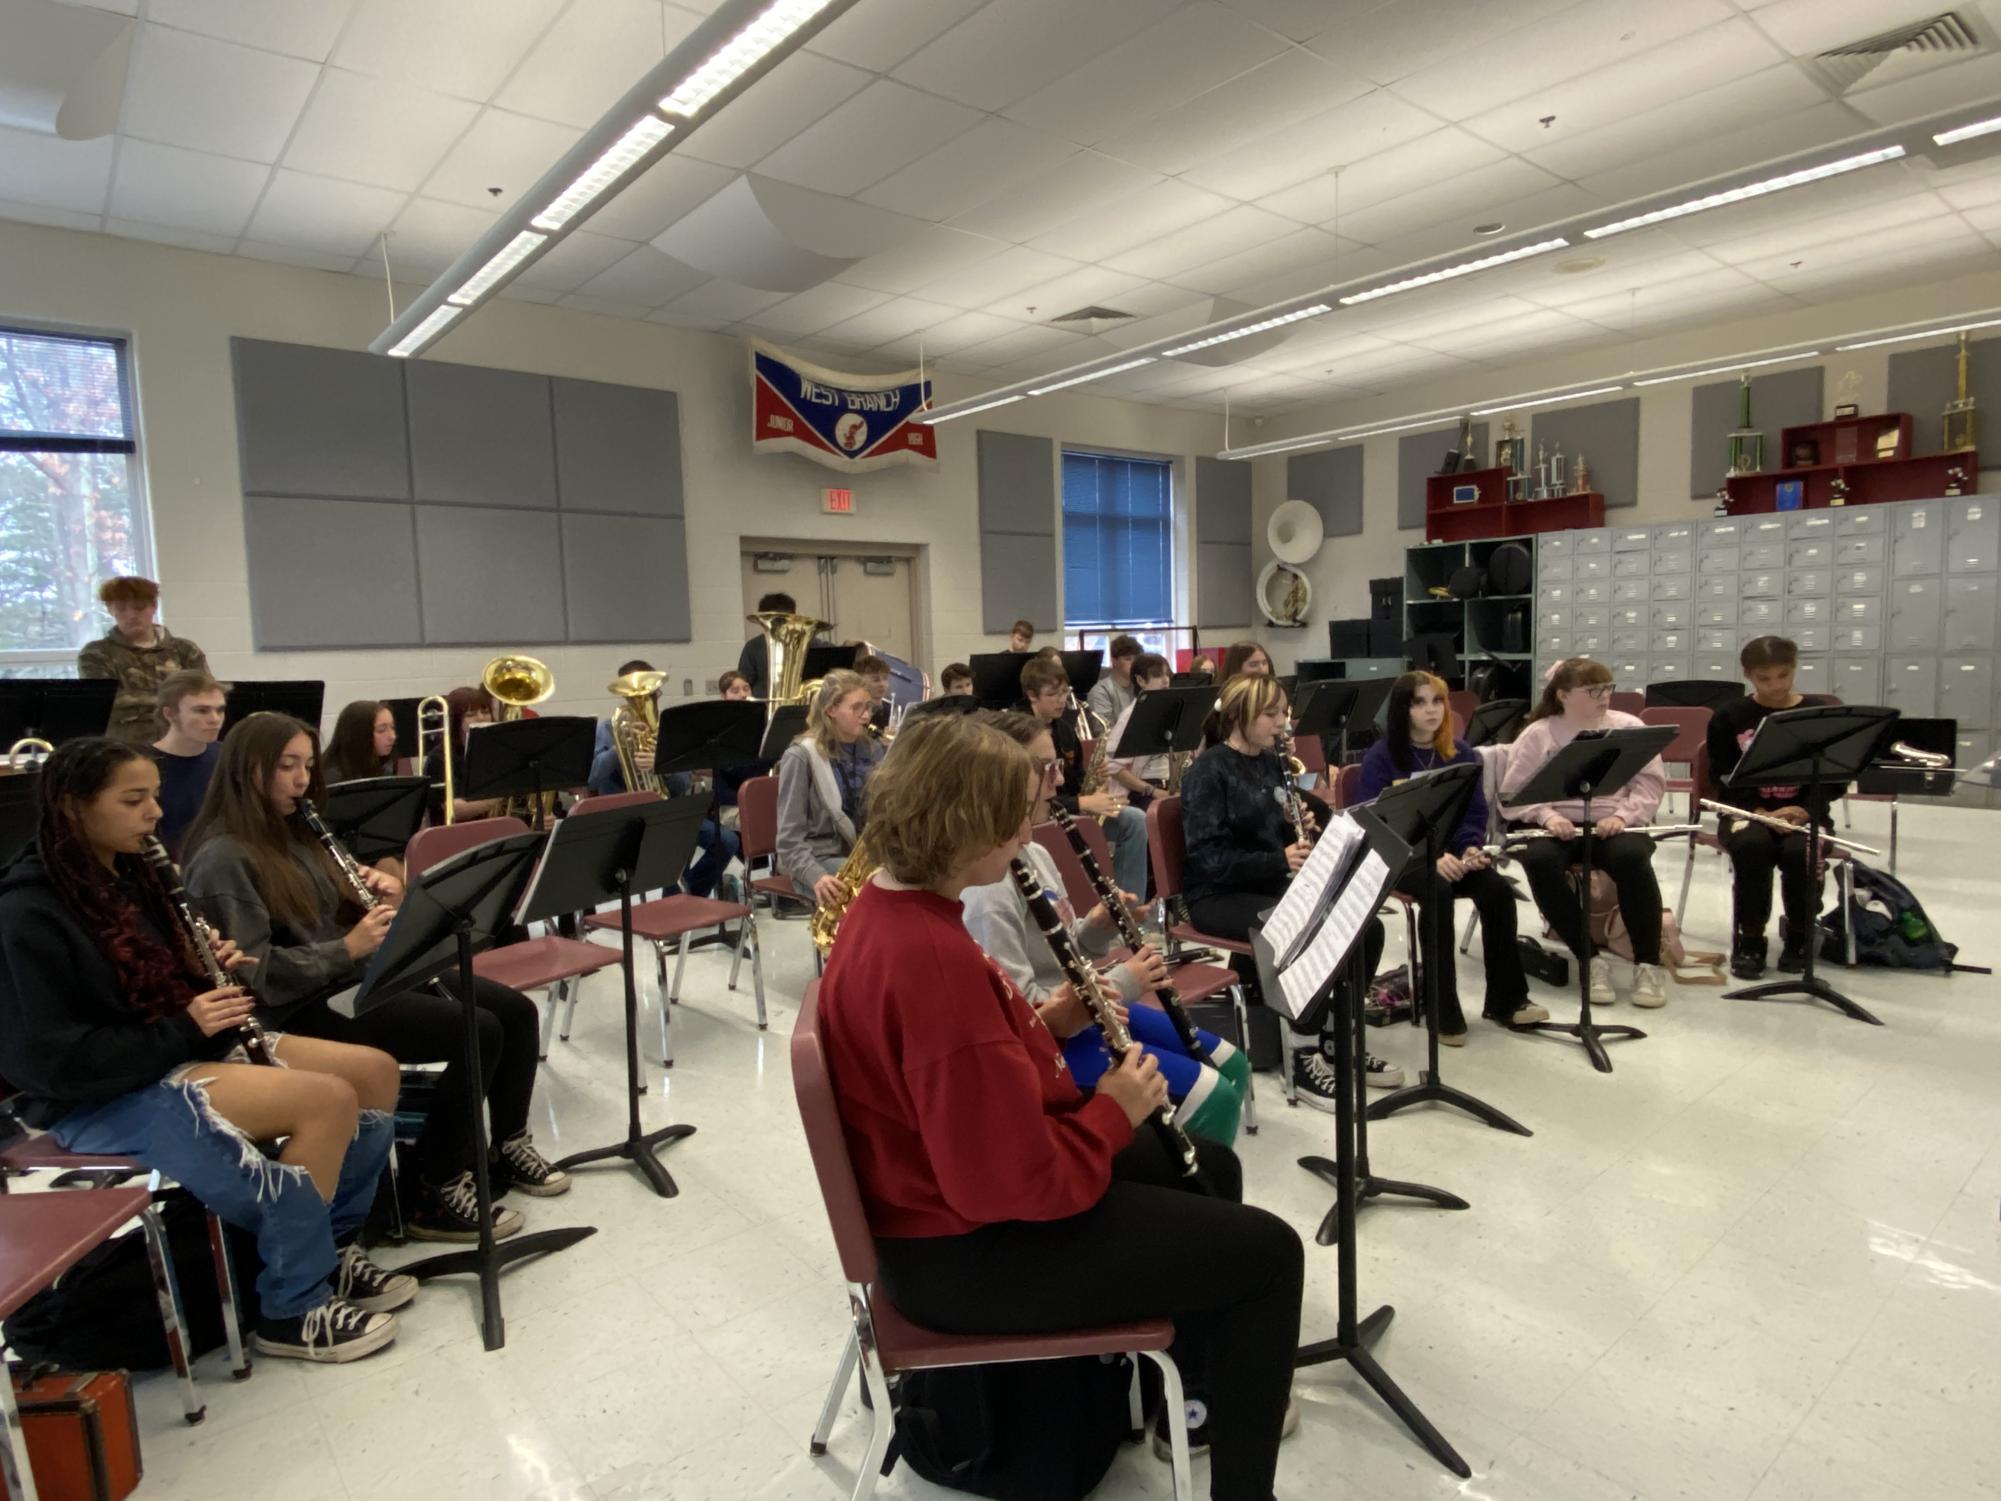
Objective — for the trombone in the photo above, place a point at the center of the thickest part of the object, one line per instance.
(32, 746)
(434, 717)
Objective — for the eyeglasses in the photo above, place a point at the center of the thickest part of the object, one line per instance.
(1050, 767)
(1600, 690)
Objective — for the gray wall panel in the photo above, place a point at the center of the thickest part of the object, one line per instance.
(315, 421)
(1222, 500)
(1331, 479)
(626, 578)
(1922, 381)
(489, 576)
(1018, 561)
(330, 573)
(1418, 457)
(481, 437)
(1606, 434)
(1017, 580)
(1787, 398)
(1223, 585)
(618, 448)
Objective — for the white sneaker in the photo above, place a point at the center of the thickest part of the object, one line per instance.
(1602, 993)
(1649, 985)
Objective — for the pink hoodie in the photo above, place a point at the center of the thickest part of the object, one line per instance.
(1636, 802)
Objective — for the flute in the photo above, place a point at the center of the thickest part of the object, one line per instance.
(1784, 826)
(202, 937)
(1651, 830)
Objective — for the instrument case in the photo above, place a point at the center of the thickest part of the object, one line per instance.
(81, 1431)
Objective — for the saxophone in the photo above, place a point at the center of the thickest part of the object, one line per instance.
(825, 923)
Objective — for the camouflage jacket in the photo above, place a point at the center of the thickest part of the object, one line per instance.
(135, 712)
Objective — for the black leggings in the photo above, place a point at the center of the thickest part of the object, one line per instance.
(1493, 897)
(1229, 1275)
(1755, 852)
(424, 1027)
(1627, 858)
(1232, 914)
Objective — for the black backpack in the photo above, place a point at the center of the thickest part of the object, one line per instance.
(1891, 926)
(1042, 1430)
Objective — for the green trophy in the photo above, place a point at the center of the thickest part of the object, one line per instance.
(1747, 444)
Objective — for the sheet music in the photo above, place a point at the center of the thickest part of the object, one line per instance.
(1308, 975)
(1302, 897)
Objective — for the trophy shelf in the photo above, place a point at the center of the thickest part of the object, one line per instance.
(1492, 514)
(1870, 482)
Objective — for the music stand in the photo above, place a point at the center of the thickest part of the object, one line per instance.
(1191, 680)
(592, 857)
(527, 757)
(948, 703)
(787, 724)
(1495, 721)
(1084, 668)
(1423, 812)
(404, 712)
(711, 734)
(997, 677)
(1165, 721)
(1358, 887)
(1338, 704)
(54, 709)
(302, 698)
(20, 811)
(1694, 693)
(1435, 652)
(1592, 765)
(451, 909)
(376, 817)
(822, 659)
(1811, 748)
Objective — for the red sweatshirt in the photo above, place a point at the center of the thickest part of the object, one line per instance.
(958, 1109)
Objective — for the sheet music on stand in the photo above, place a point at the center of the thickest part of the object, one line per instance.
(1337, 889)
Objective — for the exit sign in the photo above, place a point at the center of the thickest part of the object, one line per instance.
(839, 502)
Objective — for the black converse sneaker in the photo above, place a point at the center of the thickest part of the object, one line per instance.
(1196, 1409)
(369, 1287)
(1313, 1079)
(1792, 948)
(1747, 955)
(331, 1334)
(1380, 1073)
(450, 1211)
(529, 1171)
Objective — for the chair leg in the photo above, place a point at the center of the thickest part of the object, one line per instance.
(1410, 962)
(167, 1293)
(17, 1478)
(1250, 1079)
(1847, 889)
(570, 1006)
(1893, 836)
(831, 1408)
(1176, 1405)
(757, 971)
(551, 1000)
(883, 1414)
(225, 1285)
(680, 967)
(736, 958)
(1687, 875)
(666, 1034)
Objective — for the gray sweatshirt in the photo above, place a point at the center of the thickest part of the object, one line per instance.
(292, 967)
(998, 919)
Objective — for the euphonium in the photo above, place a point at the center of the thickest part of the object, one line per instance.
(434, 717)
(514, 682)
(635, 727)
(854, 872)
(786, 637)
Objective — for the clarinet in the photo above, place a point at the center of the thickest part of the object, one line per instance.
(1129, 932)
(201, 936)
(1118, 1041)
(349, 867)
(1290, 769)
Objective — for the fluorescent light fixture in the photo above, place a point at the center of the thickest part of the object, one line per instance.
(1464, 268)
(439, 320)
(1929, 333)
(601, 174)
(1967, 132)
(1078, 380)
(1731, 369)
(1266, 450)
(1748, 190)
(985, 406)
(1400, 427)
(1515, 406)
(766, 32)
(1253, 328)
(510, 255)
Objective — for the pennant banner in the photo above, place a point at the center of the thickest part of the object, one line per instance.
(847, 422)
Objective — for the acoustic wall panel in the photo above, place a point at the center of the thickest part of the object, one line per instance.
(1606, 435)
(324, 422)
(1018, 562)
(1922, 381)
(1331, 481)
(489, 576)
(618, 448)
(626, 578)
(1222, 500)
(330, 573)
(1418, 457)
(480, 437)
(1017, 581)
(1787, 398)
(1223, 585)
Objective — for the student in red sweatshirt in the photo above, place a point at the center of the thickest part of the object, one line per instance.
(991, 1182)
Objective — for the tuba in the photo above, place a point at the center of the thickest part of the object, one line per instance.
(786, 637)
(635, 727)
(854, 872)
(514, 682)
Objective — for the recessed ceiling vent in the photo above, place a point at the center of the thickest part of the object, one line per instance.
(1920, 46)
(1090, 320)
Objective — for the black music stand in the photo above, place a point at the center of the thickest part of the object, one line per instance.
(1435, 652)
(997, 677)
(451, 909)
(1593, 764)
(302, 698)
(20, 811)
(712, 734)
(1191, 680)
(54, 709)
(946, 703)
(1693, 693)
(404, 712)
(787, 724)
(1344, 991)
(1165, 721)
(1496, 721)
(1815, 748)
(527, 757)
(822, 658)
(1336, 706)
(1083, 668)
(1423, 812)
(592, 857)
(377, 817)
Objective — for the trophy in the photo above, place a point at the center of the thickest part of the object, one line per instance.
(1510, 449)
(1541, 471)
(1958, 424)
(1955, 481)
(1747, 444)
(1722, 506)
(1837, 491)
(1580, 482)
(1556, 485)
(1846, 392)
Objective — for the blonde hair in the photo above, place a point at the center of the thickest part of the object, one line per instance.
(834, 687)
(953, 789)
(1244, 699)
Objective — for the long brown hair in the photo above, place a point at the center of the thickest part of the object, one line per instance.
(1239, 653)
(351, 751)
(1571, 672)
(461, 702)
(238, 807)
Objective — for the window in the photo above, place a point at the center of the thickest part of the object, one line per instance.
(1118, 540)
(71, 507)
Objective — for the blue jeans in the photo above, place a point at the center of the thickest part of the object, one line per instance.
(1125, 831)
(172, 1128)
(718, 847)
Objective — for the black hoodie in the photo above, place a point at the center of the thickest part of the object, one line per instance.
(69, 1034)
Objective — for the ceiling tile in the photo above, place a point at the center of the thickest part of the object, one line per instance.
(208, 95)
(646, 278)
(817, 308)
(575, 259)
(1300, 20)
(459, 47)
(1691, 161)
(884, 127)
(292, 255)
(167, 234)
(1852, 198)
(797, 94)
(375, 130)
(882, 33)
(1915, 243)
(1007, 51)
(965, 331)
(986, 282)
(604, 307)
(1084, 287)
(1304, 250)
(1084, 182)
(928, 253)
(55, 218)
(1432, 158)
(1625, 267)
(1345, 135)
(297, 28)
(514, 291)
(1400, 39)
(1048, 347)
(176, 189)
(662, 196)
(501, 150)
(320, 213)
(1804, 230)
(591, 56)
(428, 235)
(1977, 79)
(1974, 192)
(1292, 87)
(1721, 288)
(1804, 27)
(1457, 200)
(1237, 229)
(1108, 226)
(985, 160)
(74, 175)
(721, 302)
(898, 318)
(1764, 95)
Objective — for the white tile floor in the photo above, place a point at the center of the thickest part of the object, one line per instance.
(1761, 1260)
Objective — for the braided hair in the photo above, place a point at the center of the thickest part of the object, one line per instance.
(156, 977)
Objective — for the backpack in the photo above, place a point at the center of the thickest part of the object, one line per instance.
(1041, 1430)
(1608, 932)
(1891, 927)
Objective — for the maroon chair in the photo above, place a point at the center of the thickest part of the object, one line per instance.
(1167, 852)
(1691, 733)
(888, 1344)
(552, 963)
(1312, 753)
(1347, 785)
(1462, 702)
(674, 919)
(1628, 700)
(757, 829)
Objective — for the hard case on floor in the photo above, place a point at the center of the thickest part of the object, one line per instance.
(82, 1433)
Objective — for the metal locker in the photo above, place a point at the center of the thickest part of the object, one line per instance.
(1765, 614)
(1815, 552)
(1592, 566)
(1594, 618)
(1849, 551)
(1765, 529)
(1594, 539)
(1716, 591)
(1720, 560)
(1675, 643)
(1966, 690)
(1710, 535)
(1724, 615)
(1675, 534)
(1666, 669)
(1754, 555)
(1552, 570)
(1910, 684)
(1814, 581)
(1808, 637)
(1717, 668)
(1632, 538)
(1768, 583)
(1551, 620)
(1859, 609)
(1857, 680)
(1675, 586)
(1628, 641)
(1973, 534)
(1550, 593)
(1969, 752)
(1811, 676)
(1863, 521)
(1630, 565)
(1552, 545)
(1674, 616)
(1917, 538)
(1628, 618)
(1805, 526)
(1554, 643)
(1592, 591)
(1808, 611)
(1672, 560)
(1857, 638)
(1970, 617)
(1629, 591)
(1714, 638)
(1628, 671)
(1867, 578)
(1914, 615)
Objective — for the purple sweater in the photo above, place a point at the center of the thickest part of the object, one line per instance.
(1379, 773)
